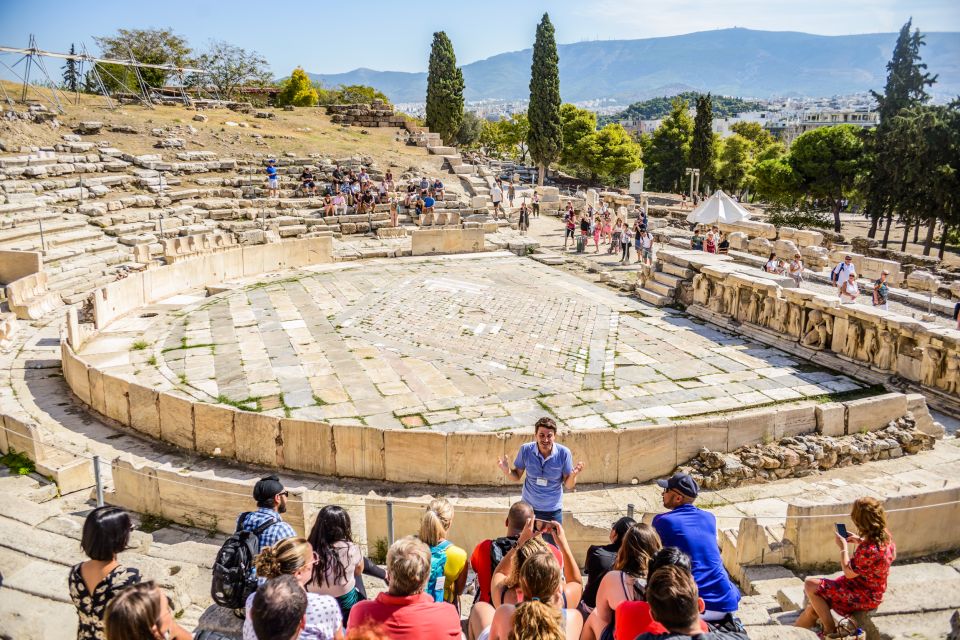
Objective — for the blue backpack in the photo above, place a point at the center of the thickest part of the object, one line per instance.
(438, 560)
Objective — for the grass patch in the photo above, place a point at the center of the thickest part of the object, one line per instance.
(247, 404)
(139, 345)
(183, 345)
(182, 377)
(18, 463)
(152, 361)
(287, 411)
(150, 522)
(320, 402)
(378, 551)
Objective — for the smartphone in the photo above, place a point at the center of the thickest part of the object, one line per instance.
(540, 525)
(842, 530)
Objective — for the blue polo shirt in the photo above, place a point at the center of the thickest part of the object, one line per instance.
(694, 531)
(543, 480)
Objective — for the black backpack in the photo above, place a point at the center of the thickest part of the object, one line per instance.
(835, 274)
(233, 575)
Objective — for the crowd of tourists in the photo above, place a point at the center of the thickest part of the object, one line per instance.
(607, 228)
(711, 240)
(650, 581)
(844, 277)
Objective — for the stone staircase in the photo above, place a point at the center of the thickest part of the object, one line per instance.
(40, 541)
(659, 287)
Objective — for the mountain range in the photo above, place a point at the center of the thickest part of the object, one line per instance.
(736, 62)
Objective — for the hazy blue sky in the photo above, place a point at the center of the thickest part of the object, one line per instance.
(334, 37)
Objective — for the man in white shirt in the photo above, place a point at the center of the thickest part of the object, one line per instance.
(843, 271)
(496, 196)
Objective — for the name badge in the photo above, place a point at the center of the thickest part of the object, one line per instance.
(541, 482)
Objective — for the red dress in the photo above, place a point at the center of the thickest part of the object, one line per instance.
(871, 562)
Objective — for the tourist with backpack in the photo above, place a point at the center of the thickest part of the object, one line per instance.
(339, 560)
(841, 273)
(404, 611)
(448, 562)
(488, 553)
(234, 576)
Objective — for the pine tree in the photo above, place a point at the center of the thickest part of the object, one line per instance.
(906, 87)
(702, 150)
(71, 73)
(669, 149)
(444, 89)
(545, 139)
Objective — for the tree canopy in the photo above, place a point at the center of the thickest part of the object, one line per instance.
(444, 89)
(297, 90)
(545, 138)
(670, 148)
(702, 146)
(152, 46)
(232, 67)
(827, 162)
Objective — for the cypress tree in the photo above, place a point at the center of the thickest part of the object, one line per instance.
(907, 80)
(71, 73)
(702, 151)
(545, 138)
(444, 89)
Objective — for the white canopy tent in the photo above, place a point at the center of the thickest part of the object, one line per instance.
(718, 208)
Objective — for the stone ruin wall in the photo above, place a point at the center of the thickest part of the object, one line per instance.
(875, 345)
(376, 114)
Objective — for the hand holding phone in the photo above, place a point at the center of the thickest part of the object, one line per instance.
(842, 530)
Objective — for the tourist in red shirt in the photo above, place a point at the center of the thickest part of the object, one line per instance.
(404, 611)
(864, 578)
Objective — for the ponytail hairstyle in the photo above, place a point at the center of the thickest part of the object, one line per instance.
(638, 545)
(532, 547)
(283, 558)
(331, 526)
(536, 618)
(436, 521)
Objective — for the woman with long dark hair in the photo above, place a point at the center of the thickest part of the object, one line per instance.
(339, 561)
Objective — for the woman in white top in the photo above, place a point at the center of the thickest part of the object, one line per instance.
(849, 290)
(771, 266)
(339, 561)
(795, 270)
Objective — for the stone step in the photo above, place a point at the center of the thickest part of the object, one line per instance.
(676, 270)
(26, 233)
(659, 288)
(653, 298)
(667, 279)
(78, 237)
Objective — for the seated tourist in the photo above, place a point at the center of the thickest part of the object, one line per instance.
(438, 188)
(271, 500)
(337, 176)
(710, 243)
(404, 611)
(771, 266)
(696, 241)
(388, 180)
(339, 563)
(296, 557)
(279, 609)
(675, 603)
(424, 183)
(339, 204)
(307, 183)
(864, 579)
(633, 617)
(434, 529)
(542, 614)
(94, 583)
(626, 583)
(600, 561)
(142, 611)
(488, 554)
(428, 202)
(723, 247)
(328, 206)
(694, 531)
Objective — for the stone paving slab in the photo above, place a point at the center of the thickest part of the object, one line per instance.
(459, 340)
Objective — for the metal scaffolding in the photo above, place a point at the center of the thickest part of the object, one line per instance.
(33, 57)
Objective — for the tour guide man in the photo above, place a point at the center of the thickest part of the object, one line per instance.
(549, 469)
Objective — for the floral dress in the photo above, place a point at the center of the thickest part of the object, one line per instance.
(92, 606)
(871, 562)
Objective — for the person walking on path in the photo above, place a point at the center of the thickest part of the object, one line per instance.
(546, 469)
(795, 270)
(523, 222)
(536, 204)
(496, 197)
(626, 239)
(880, 291)
(849, 290)
(841, 273)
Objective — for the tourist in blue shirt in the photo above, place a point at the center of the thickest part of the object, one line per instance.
(694, 531)
(273, 182)
(546, 469)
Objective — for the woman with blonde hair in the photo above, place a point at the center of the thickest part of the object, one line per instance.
(541, 615)
(448, 562)
(864, 578)
(296, 557)
(143, 612)
(627, 582)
